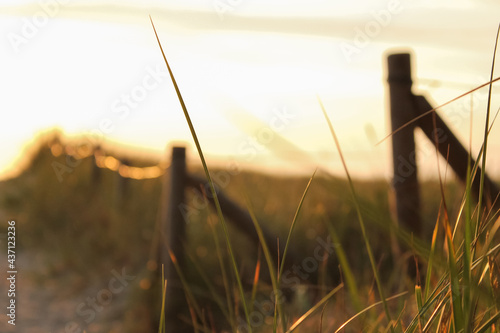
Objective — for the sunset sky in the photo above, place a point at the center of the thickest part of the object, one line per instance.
(250, 73)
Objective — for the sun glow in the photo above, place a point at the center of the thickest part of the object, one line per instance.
(247, 63)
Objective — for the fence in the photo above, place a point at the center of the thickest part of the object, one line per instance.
(405, 107)
(176, 180)
(407, 112)
(174, 233)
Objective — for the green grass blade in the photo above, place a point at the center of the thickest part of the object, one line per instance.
(431, 261)
(292, 227)
(270, 264)
(438, 295)
(487, 325)
(439, 310)
(418, 298)
(321, 318)
(360, 219)
(255, 283)
(368, 308)
(314, 308)
(346, 268)
(468, 252)
(225, 280)
(486, 132)
(164, 292)
(211, 288)
(187, 289)
(209, 178)
(455, 291)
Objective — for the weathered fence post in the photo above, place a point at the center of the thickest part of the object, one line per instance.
(405, 180)
(173, 238)
(451, 149)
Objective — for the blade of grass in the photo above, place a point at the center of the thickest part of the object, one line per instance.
(467, 257)
(209, 178)
(399, 319)
(440, 308)
(211, 288)
(418, 298)
(321, 318)
(187, 290)
(256, 277)
(431, 261)
(468, 251)
(490, 252)
(193, 317)
(489, 323)
(346, 268)
(438, 294)
(292, 226)
(486, 132)
(490, 237)
(360, 218)
(164, 291)
(270, 264)
(314, 308)
(444, 323)
(225, 280)
(368, 308)
(456, 294)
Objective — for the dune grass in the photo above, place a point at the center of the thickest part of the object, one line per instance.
(457, 295)
(460, 291)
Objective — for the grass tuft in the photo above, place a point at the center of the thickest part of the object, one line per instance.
(360, 218)
(211, 183)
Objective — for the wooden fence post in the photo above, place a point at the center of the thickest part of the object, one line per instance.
(451, 149)
(405, 180)
(173, 232)
(242, 220)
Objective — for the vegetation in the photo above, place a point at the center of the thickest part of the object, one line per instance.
(95, 220)
(84, 229)
(456, 298)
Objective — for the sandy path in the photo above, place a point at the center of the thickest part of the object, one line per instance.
(59, 304)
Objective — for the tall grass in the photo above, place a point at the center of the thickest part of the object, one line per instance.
(360, 219)
(465, 300)
(461, 286)
(212, 186)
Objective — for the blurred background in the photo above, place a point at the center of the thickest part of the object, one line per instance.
(90, 116)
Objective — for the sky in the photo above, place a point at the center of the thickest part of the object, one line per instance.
(250, 73)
